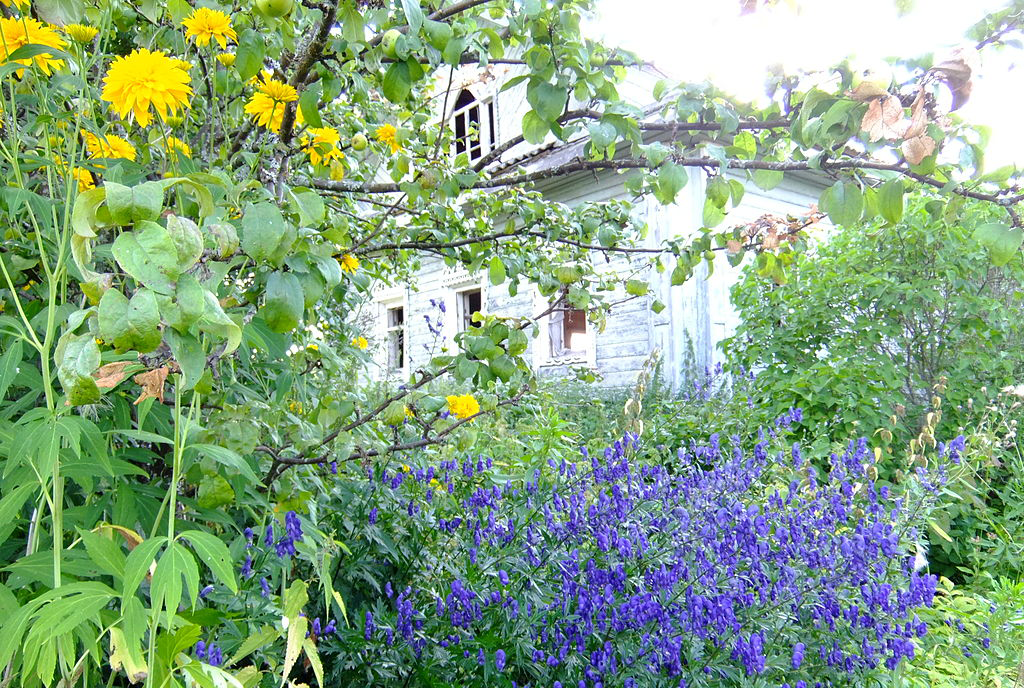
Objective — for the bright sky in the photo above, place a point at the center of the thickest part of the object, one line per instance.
(707, 39)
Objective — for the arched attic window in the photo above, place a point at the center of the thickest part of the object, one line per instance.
(473, 123)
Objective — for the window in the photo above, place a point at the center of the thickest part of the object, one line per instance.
(469, 302)
(474, 126)
(567, 332)
(396, 338)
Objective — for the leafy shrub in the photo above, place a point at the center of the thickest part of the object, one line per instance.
(715, 565)
(874, 317)
(975, 638)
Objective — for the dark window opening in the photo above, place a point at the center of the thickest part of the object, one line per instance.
(567, 330)
(396, 338)
(470, 302)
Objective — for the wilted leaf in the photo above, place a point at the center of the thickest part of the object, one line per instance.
(956, 72)
(883, 120)
(152, 383)
(733, 246)
(110, 375)
(918, 119)
(918, 148)
(865, 91)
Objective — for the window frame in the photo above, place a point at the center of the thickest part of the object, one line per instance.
(486, 123)
(544, 355)
(387, 301)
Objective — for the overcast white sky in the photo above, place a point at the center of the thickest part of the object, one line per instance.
(698, 39)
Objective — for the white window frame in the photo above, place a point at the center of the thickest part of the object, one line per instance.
(387, 301)
(456, 283)
(488, 128)
(543, 356)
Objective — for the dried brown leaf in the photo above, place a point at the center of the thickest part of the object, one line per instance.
(918, 148)
(918, 119)
(956, 71)
(152, 383)
(884, 119)
(733, 246)
(110, 375)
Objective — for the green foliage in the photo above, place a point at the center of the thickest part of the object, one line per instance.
(872, 319)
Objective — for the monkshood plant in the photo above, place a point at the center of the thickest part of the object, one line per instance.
(721, 565)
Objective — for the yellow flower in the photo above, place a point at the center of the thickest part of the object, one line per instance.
(143, 79)
(405, 466)
(110, 146)
(16, 32)
(434, 482)
(20, 4)
(409, 413)
(173, 145)
(80, 33)
(463, 406)
(84, 179)
(387, 133)
(349, 263)
(320, 143)
(205, 24)
(268, 103)
(312, 347)
(360, 343)
(226, 59)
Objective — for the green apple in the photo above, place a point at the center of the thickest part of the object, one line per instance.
(275, 8)
(359, 142)
(390, 41)
(429, 179)
(872, 78)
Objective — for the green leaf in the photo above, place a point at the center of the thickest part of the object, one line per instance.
(130, 325)
(187, 306)
(216, 322)
(187, 240)
(496, 271)
(637, 287)
(263, 228)
(670, 181)
(226, 457)
(438, 33)
(10, 360)
(188, 352)
(282, 302)
(546, 99)
(137, 565)
(843, 202)
(80, 358)
(310, 208)
(214, 553)
(534, 128)
(249, 56)
(397, 83)
(134, 204)
(1001, 240)
(413, 15)
(11, 504)
(767, 179)
(148, 255)
(214, 492)
(890, 201)
(105, 552)
(309, 104)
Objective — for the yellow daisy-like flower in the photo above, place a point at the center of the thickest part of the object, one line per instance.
(20, 4)
(409, 414)
(463, 406)
(84, 178)
(110, 146)
(173, 145)
(226, 59)
(268, 103)
(321, 144)
(80, 33)
(360, 343)
(16, 32)
(312, 347)
(386, 133)
(143, 79)
(349, 263)
(205, 24)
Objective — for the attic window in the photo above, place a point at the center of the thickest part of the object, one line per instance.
(473, 122)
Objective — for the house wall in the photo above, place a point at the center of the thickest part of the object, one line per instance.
(698, 314)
